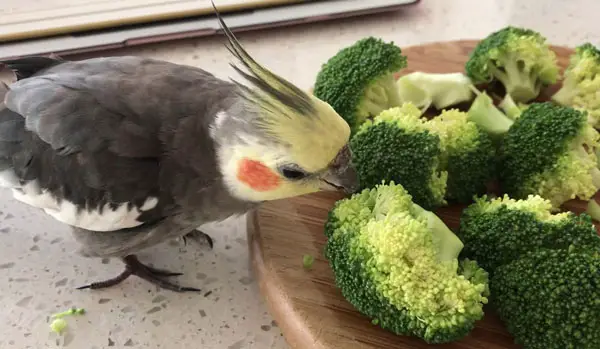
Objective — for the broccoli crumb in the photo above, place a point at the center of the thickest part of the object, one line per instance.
(59, 324)
(72, 311)
(308, 261)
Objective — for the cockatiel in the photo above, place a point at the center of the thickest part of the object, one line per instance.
(131, 151)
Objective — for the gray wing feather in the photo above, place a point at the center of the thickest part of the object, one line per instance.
(119, 129)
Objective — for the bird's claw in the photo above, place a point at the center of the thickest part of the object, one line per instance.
(134, 267)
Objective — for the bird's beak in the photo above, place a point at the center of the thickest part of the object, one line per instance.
(341, 174)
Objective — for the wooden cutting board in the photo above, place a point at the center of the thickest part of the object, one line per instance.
(308, 307)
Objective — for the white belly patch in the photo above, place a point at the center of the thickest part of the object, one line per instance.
(107, 219)
(8, 179)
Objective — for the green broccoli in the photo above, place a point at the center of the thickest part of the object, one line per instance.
(550, 151)
(397, 146)
(519, 58)
(488, 117)
(500, 230)
(581, 82)
(543, 269)
(359, 82)
(550, 299)
(397, 264)
(468, 155)
(440, 90)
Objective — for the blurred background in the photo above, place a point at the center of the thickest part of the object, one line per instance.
(301, 36)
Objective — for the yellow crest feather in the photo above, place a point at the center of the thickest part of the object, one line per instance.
(312, 129)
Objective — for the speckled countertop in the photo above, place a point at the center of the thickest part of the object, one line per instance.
(39, 269)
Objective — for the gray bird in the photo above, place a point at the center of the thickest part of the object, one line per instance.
(131, 152)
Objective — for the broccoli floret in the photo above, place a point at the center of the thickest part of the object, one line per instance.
(358, 81)
(581, 82)
(488, 117)
(397, 146)
(519, 58)
(468, 155)
(397, 264)
(500, 230)
(550, 299)
(440, 90)
(550, 151)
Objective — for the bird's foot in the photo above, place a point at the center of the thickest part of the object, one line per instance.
(199, 237)
(134, 267)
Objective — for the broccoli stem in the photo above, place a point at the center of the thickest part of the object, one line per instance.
(593, 209)
(379, 96)
(488, 117)
(523, 86)
(448, 245)
(368, 109)
(509, 107)
(72, 311)
(595, 172)
(412, 93)
(564, 96)
(388, 83)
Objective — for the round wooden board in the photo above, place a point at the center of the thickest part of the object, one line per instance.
(308, 307)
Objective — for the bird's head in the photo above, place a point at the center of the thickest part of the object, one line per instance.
(280, 141)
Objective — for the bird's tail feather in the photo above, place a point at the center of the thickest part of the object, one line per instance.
(27, 66)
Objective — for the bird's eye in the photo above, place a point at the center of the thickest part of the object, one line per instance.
(292, 173)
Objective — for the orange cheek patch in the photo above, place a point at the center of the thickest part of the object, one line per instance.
(258, 176)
